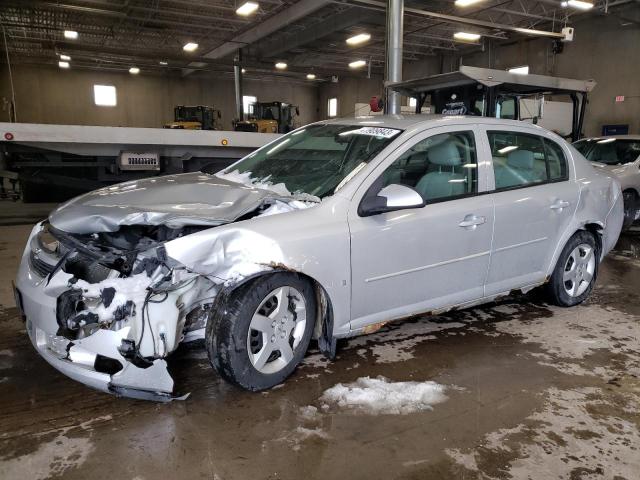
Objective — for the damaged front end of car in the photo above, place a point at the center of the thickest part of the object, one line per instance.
(121, 304)
(107, 308)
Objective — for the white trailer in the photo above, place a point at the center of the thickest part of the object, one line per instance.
(55, 162)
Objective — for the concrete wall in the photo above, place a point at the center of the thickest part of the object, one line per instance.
(603, 50)
(51, 95)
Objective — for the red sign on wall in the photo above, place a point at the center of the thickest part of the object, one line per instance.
(620, 99)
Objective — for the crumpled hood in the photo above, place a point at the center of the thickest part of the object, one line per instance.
(172, 200)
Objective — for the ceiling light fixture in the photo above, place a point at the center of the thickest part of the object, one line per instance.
(66, 58)
(243, 70)
(163, 63)
(358, 39)
(63, 64)
(524, 70)
(580, 5)
(134, 70)
(281, 65)
(466, 36)
(357, 64)
(71, 34)
(466, 3)
(311, 76)
(247, 8)
(190, 47)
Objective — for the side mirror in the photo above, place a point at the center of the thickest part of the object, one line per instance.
(390, 198)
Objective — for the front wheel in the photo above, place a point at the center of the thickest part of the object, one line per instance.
(258, 337)
(576, 270)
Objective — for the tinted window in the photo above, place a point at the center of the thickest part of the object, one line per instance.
(520, 159)
(609, 151)
(439, 167)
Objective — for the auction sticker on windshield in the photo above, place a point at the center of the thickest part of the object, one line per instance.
(377, 132)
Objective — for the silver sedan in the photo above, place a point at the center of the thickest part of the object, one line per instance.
(619, 156)
(328, 232)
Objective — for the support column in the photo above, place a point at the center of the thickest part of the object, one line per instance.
(237, 71)
(395, 25)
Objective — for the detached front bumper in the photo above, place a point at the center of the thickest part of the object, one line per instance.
(94, 360)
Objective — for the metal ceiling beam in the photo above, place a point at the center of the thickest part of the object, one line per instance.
(463, 20)
(270, 25)
(334, 23)
(87, 52)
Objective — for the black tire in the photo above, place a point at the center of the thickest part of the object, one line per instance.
(228, 327)
(630, 208)
(556, 287)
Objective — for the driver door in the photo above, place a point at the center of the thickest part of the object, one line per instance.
(420, 259)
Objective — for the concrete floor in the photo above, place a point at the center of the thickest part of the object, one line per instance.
(534, 392)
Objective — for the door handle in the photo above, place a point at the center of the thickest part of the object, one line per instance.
(559, 205)
(472, 221)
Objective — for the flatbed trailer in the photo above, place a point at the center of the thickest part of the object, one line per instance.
(57, 162)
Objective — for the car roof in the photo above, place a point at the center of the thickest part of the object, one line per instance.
(422, 120)
(617, 137)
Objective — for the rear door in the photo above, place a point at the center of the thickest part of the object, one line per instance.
(535, 198)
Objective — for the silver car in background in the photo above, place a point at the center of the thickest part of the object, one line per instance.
(620, 156)
(328, 232)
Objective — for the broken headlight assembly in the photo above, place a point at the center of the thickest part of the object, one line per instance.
(47, 242)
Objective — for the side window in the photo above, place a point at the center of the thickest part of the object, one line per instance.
(556, 161)
(521, 159)
(439, 167)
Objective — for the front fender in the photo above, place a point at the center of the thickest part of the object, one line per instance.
(314, 242)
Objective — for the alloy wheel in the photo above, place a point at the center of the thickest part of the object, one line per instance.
(579, 270)
(276, 329)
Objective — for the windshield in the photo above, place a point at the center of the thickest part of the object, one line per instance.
(609, 151)
(315, 160)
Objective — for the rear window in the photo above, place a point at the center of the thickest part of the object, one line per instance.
(522, 159)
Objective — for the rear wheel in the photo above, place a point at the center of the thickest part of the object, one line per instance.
(630, 208)
(576, 270)
(261, 334)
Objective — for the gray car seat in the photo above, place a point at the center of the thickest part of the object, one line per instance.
(445, 181)
(519, 170)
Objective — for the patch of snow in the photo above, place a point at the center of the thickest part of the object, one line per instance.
(299, 435)
(308, 413)
(380, 396)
